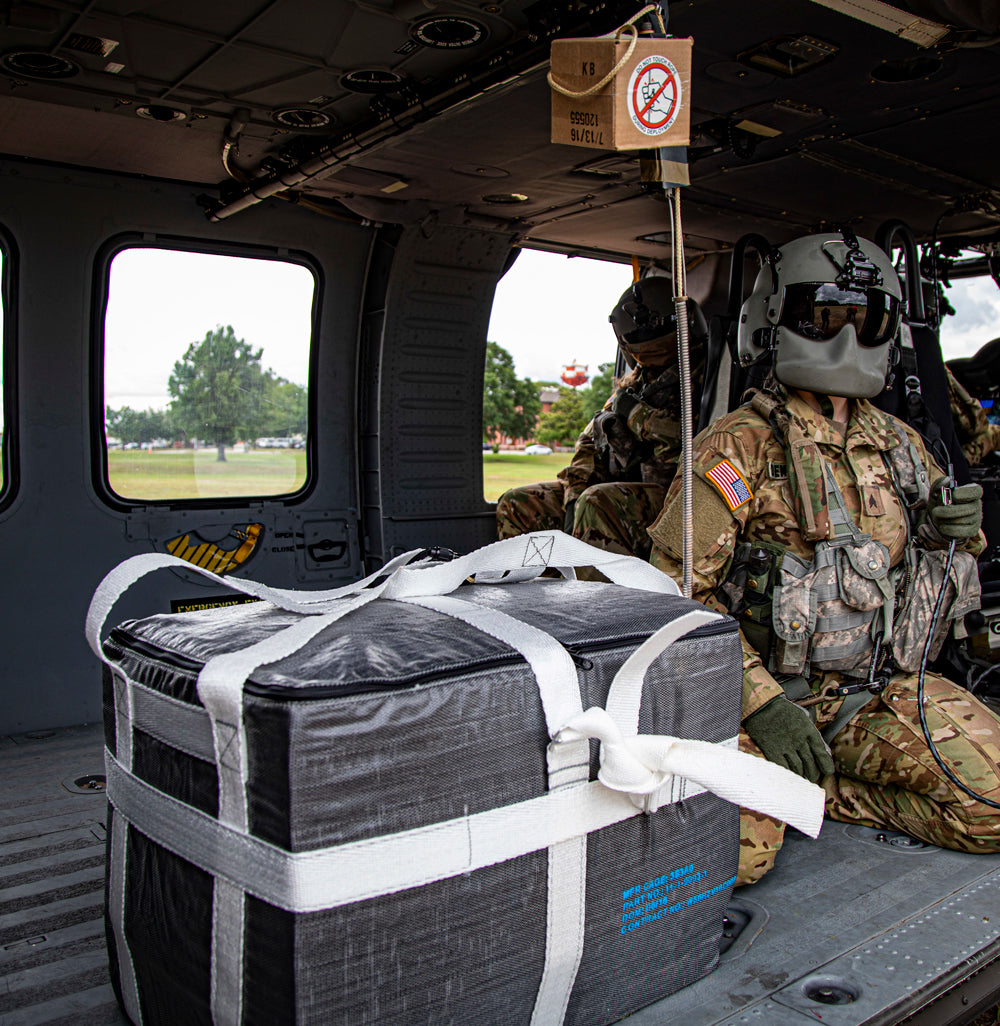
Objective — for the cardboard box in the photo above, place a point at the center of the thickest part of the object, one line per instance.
(646, 104)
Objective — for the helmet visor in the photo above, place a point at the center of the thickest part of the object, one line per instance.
(646, 334)
(820, 311)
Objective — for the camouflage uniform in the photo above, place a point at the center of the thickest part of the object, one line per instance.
(619, 473)
(885, 775)
(977, 436)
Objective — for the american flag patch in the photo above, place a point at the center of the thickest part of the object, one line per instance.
(731, 483)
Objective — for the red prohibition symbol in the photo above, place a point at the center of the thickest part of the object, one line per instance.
(654, 94)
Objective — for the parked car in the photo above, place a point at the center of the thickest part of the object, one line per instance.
(537, 450)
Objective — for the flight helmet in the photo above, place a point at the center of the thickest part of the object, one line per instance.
(828, 307)
(645, 323)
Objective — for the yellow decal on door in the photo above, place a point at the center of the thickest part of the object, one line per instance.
(211, 555)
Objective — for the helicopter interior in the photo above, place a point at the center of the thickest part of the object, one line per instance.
(400, 152)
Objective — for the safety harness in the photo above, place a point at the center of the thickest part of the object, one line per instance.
(839, 610)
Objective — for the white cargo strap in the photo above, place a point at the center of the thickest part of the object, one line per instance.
(119, 580)
(220, 688)
(643, 763)
(528, 555)
(551, 664)
(559, 820)
(625, 699)
(625, 693)
(568, 764)
(124, 701)
(786, 796)
(524, 557)
(325, 878)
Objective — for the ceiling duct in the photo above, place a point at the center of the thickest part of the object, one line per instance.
(301, 119)
(38, 64)
(372, 80)
(449, 32)
(160, 112)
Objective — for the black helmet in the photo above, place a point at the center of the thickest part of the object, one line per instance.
(645, 324)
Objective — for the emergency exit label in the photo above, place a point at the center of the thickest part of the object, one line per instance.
(654, 95)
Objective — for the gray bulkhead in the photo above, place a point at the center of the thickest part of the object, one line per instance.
(400, 328)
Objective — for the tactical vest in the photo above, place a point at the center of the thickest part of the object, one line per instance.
(837, 610)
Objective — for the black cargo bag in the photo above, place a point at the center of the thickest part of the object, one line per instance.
(387, 803)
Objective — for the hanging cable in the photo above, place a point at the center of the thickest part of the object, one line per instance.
(684, 372)
(230, 144)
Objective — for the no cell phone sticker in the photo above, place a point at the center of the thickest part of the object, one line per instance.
(654, 95)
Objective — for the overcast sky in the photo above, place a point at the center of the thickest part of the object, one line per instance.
(160, 301)
(549, 311)
(977, 317)
(562, 313)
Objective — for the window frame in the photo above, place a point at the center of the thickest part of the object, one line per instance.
(9, 450)
(99, 307)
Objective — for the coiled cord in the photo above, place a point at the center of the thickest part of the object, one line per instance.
(684, 373)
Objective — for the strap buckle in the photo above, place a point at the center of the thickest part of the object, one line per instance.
(435, 554)
(875, 685)
(879, 673)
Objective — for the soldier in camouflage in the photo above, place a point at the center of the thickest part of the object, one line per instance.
(627, 455)
(824, 525)
(977, 436)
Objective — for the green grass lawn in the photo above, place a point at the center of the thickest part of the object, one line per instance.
(503, 470)
(186, 474)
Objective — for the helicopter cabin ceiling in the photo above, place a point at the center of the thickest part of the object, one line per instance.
(401, 110)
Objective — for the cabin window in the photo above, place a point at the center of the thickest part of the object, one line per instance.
(206, 375)
(970, 319)
(549, 363)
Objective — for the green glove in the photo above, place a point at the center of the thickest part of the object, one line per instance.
(961, 518)
(624, 403)
(787, 737)
(661, 390)
(569, 515)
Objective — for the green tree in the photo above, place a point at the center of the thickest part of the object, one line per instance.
(596, 394)
(218, 389)
(510, 404)
(140, 426)
(285, 410)
(564, 421)
(122, 424)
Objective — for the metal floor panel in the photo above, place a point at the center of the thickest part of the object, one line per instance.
(884, 925)
(859, 909)
(52, 956)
